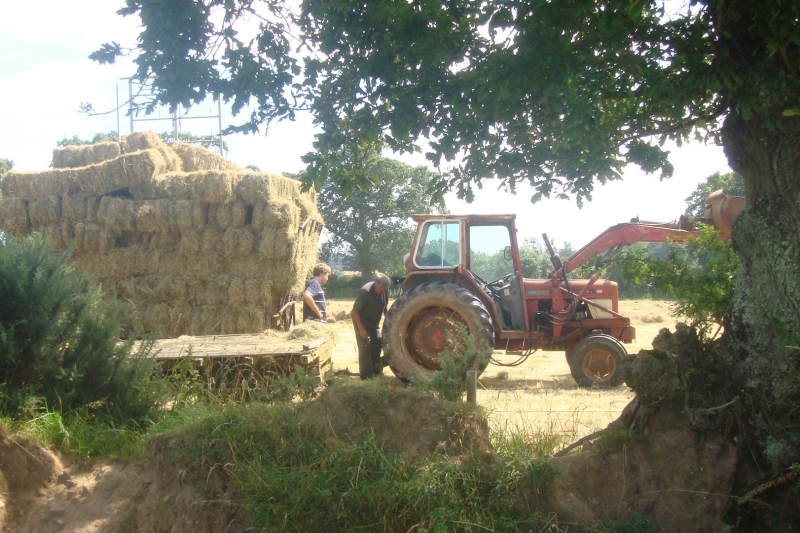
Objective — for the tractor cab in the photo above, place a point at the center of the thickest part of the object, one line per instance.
(477, 252)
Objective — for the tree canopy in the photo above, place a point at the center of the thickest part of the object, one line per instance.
(560, 94)
(5, 166)
(373, 228)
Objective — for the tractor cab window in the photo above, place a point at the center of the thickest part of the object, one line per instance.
(439, 245)
(489, 252)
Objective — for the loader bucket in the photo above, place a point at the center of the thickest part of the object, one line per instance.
(722, 210)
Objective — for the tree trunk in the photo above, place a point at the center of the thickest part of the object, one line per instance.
(763, 326)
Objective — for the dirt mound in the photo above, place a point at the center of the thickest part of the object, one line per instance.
(404, 420)
(665, 472)
(43, 494)
(170, 500)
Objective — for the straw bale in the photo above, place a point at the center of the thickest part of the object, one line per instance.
(282, 214)
(254, 188)
(117, 215)
(181, 216)
(236, 294)
(211, 241)
(175, 185)
(14, 214)
(141, 140)
(266, 244)
(74, 208)
(162, 210)
(144, 214)
(91, 237)
(44, 211)
(165, 241)
(214, 186)
(238, 214)
(53, 235)
(206, 320)
(199, 215)
(213, 292)
(169, 288)
(238, 241)
(33, 185)
(81, 156)
(106, 240)
(220, 215)
(123, 172)
(254, 292)
(198, 158)
(190, 243)
(259, 216)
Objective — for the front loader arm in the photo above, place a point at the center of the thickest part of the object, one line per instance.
(627, 234)
(721, 211)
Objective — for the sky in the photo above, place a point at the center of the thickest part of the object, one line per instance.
(45, 75)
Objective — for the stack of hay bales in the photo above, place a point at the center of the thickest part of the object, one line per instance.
(196, 244)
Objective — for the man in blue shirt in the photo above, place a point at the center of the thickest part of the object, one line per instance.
(371, 304)
(314, 307)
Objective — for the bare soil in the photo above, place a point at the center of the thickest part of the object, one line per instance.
(43, 492)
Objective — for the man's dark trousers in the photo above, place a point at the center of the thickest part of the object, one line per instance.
(369, 354)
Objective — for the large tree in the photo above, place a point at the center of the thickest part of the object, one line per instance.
(373, 227)
(560, 94)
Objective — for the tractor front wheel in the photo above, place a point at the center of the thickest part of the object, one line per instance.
(417, 325)
(596, 361)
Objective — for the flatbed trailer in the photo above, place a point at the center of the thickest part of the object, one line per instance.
(254, 354)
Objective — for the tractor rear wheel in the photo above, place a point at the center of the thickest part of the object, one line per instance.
(416, 327)
(596, 361)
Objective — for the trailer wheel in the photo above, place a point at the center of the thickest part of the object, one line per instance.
(596, 361)
(416, 327)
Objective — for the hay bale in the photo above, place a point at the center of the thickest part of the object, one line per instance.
(226, 246)
(44, 211)
(105, 241)
(181, 216)
(91, 237)
(199, 215)
(282, 214)
(162, 211)
(238, 242)
(144, 215)
(211, 241)
(141, 140)
(74, 208)
(195, 158)
(236, 294)
(116, 215)
(81, 156)
(190, 243)
(239, 214)
(254, 292)
(213, 186)
(14, 215)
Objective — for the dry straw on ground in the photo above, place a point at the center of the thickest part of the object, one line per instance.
(197, 245)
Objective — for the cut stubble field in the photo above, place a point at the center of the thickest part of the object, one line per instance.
(539, 396)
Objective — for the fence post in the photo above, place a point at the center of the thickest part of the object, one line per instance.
(472, 387)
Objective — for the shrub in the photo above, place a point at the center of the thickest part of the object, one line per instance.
(450, 382)
(700, 275)
(59, 341)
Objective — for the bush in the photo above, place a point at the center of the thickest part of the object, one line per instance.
(700, 275)
(59, 341)
(450, 382)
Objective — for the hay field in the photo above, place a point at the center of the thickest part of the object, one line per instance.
(539, 395)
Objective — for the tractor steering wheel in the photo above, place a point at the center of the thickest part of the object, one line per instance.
(499, 283)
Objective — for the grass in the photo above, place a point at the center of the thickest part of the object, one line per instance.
(291, 477)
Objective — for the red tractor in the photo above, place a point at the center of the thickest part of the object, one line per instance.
(445, 286)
